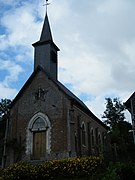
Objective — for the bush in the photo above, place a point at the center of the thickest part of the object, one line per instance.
(126, 171)
(120, 171)
(72, 167)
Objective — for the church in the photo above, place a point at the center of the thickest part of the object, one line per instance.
(47, 121)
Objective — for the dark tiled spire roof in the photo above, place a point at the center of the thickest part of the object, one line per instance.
(46, 34)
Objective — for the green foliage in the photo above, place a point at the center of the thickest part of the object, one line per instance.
(4, 107)
(67, 168)
(4, 113)
(114, 112)
(111, 174)
(120, 171)
(121, 139)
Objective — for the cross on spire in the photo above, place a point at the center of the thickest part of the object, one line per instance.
(46, 4)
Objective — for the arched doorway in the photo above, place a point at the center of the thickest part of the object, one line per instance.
(38, 137)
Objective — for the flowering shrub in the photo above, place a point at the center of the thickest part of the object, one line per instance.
(72, 167)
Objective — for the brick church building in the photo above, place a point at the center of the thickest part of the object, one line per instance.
(46, 119)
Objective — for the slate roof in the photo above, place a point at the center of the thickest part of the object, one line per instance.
(46, 34)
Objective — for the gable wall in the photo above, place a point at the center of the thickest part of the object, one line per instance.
(54, 107)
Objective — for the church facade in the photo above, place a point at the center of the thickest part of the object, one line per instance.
(47, 121)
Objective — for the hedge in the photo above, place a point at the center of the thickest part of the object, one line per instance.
(67, 168)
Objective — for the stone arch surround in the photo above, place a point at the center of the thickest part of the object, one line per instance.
(29, 134)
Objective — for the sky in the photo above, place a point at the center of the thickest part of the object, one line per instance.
(96, 40)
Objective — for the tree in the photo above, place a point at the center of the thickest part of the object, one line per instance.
(4, 114)
(120, 138)
(114, 112)
(4, 108)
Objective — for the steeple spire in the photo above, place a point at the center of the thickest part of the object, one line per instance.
(46, 34)
(45, 54)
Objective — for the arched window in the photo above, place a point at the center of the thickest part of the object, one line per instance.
(83, 134)
(99, 143)
(92, 137)
(99, 138)
(39, 125)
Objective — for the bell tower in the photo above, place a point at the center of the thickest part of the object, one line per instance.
(45, 54)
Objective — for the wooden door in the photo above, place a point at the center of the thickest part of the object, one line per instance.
(39, 145)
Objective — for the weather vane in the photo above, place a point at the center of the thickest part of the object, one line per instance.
(46, 4)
